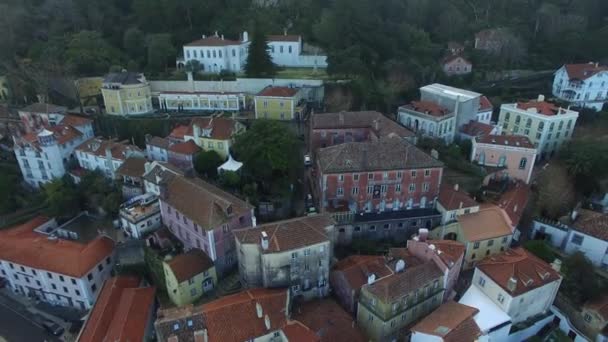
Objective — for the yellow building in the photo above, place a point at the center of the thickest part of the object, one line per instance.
(188, 276)
(389, 304)
(126, 93)
(214, 133)
(546, 125)
(279, 103)
(486, 232)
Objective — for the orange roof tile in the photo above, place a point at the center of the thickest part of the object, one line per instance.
(98, 146)
(187, 265)
(23, 245)
(453, 322)
(283, 38)
(356, 269)
(584, 70)
(278, 91)
(514, 201)
(476, 128)
(484, 104)
(542, 107)
(489, 222)
(530, 271)
(213, 41)
(179, 131)
(189, 147)
(221, 128)
(451, 251)
(75, 120)
(506, 140)
(328, 320)
(452, 199)
(399, 284)
(599, 305)
(428, 107)
(297, 332)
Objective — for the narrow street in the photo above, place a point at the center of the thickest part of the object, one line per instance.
(16, 324)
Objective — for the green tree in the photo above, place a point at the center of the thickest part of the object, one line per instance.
(587, 162)
(134, 43)
(259, 63)
(540, 249)
(193, 66)
(230, 179)
(62, 199)
(580, 283)
(556, 192)
(207, 162)
(88, 54)
(160, 51)
(8, 187)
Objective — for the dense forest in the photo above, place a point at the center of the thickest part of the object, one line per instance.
(386, 44)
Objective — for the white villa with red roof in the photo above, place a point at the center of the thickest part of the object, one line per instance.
(584, 85)
(216, 53)
(546, 125)
(428, 118)
(105, 155)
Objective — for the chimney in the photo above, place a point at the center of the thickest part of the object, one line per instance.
(222, 37)
(512, 284)
(376, 124)
(541, 98)
(258, 310)
(460, 205)
(371, 279)
(245, 36)
(400, 266)
(515, 208)
(341, 118)
(216, 34)
(557, 265)
(204, 36)
(456, 187)
(264, 240)
(285, 31)
(574, 215)
(423, 234)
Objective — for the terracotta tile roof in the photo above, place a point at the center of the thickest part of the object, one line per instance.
(328, 320)
(221, 128)
(159, 142)
(187, 265)
(429, 108)
(119, 150)
(283, 38)
(394, 254)
(584, 70)
(514, 201)
(132, 167)
(599, 305)
(451, 251)
(161, 170)
(22, 245)
(189, 147)
(213, 41)
(178, 92)
(295, 331)
(121, 311)
(489, 222)
(451, 197)
(541, 107)
(220, 315)
(412, 278)
(592, 223)
(357, 268)
(289, 234)
(452, 58)
(382, 125)
(530, 271)
(484, 104)
(65, 133)
(45, 108)
(506, 140)
(179, 324)
(278, 91)
(202, 202)
(476, 129)
(179, 131)
(75, 120)
(386, 153)
(451, 321)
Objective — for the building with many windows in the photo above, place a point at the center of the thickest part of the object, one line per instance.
(546, 125)
(504, 157)
(294, 253)
(452, 321)
(214, 133)
(465, 104)
(484, 114)
(201, 101)
(41, 259)
(126, 93)
(453, 202)
(428, 119)
(105, 155)
(189, 276)
(279, 103)
(583, 85)
(140, 215)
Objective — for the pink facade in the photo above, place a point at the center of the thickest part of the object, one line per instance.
(184, 161)
(217, 242)
(509, 161)
(380, 190)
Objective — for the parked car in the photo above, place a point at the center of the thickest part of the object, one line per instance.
(53, 328)
(307, 160)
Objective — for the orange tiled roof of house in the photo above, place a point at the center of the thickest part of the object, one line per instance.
(506, 140)
(489, 222)
(23, 245)
(288, 234)
(514, 201)
(283, 38)
(62, 134)
(376, 121)
(180, 131)
(328, 320)
(75, 120)
(357, 268)
(213, 41)
(542, 107)
(278, 91)
(98, 146)
(591, 223)
(583, 71)
(132, 167)
(399, 284)
(189, 264)
(484, 103)
(121, 311)
(528, 270)
(221, 128)
(295, 331)
(451, 197)
(428, 107)
(189, 147)
(452, 321)
(450, 251)
(476, 129)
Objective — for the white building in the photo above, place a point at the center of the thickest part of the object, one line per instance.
(215, 53)
(465, 104)
(429, 119)
(105, 155)
(453, 202)
(155, 171)
(157, 148)
(546, 125)
(583, 85)
(484, 114)
(38, 261)
(140, 215)
(201, 101)
(587, 233)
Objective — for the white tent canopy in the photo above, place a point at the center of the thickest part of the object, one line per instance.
(230, 165)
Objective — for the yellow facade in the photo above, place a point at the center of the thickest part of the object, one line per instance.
(276, 108)
(189, 290)
(222, 147)
(127, 99)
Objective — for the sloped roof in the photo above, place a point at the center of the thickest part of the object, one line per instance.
(453, 322)
(221, 128)
(119, 150)
(591, 223)
(45, 108)
(75, 120)
(452, 199)
(295, 331)
(489, 222)
(452, 58)
(484, 103)
(357, 268)
(514, 200)
(283, 38)
(530, 271)
(386, 153)
(476, 128)
(22, 245)
(599, 305)
(125, 78)
(180, 131)
(542, 107)
(583, 71)
(399, 284)
(278, 91)
(158, 142)
(449, 251)
(328, 320)
(202, 202)
(189, 147)
(132, 167)
(289, 234)
(187, 265)
(429, 108)
(376, 121)
(506, 140)
(213, 41)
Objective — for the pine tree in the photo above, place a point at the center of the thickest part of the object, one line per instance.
(259, 63)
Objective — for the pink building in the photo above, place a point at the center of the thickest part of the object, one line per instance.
(456, 65)
(203, 216)
(504, 156)
(182, 155)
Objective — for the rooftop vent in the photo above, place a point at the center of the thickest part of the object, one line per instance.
(400, 266)
(258, 310)
(512, 284)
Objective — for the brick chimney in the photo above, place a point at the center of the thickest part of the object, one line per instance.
(423, 234)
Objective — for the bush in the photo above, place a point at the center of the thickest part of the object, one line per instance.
(540, 249)
(207, 162)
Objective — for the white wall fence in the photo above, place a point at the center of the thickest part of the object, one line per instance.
(311, 61)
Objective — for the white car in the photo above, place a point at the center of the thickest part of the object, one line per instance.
(307, 160)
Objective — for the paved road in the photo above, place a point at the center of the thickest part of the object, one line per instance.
(15, 325)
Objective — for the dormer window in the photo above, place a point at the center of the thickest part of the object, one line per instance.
(229, 210)
(207, 132)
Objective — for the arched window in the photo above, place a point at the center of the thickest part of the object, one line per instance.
(541, 125)
(507, 116)
(529, 122)
(522, 163)
(517, 120)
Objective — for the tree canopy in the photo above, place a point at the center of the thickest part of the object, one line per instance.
(207, 162)
(259, 63)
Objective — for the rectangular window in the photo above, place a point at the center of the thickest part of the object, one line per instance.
(65, 289)
(501, 298)
(100, 267)
(490, 243)
(476, 245)
(340, 191)
(427, 173)
(370, 189)
(412, 187)
(482, 282)
(355, 191)
(90, 276)
(340, 178)
(93, 288)
(73, 281)
(294, 255)
(370, 176)
(383, 188)
(397, 187)
(356, 177)
(425, 187)
(399, 174)
(413, 173)
(577, 239)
